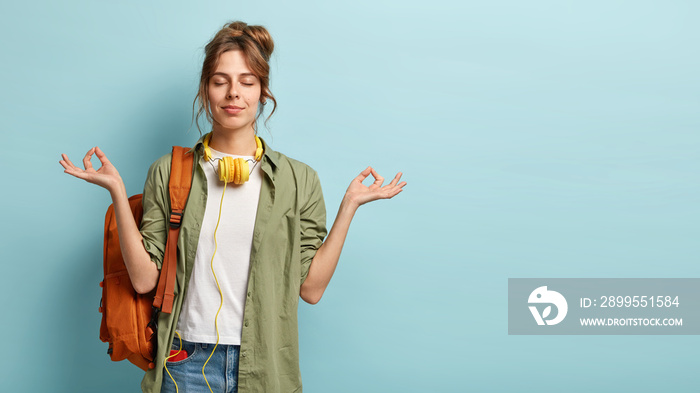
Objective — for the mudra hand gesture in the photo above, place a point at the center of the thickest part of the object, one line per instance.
(106, 176)
(359, 194)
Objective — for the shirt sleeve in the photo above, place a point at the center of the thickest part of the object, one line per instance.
(156, 207)
(313, 224)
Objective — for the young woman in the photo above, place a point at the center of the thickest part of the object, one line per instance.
(247, 249)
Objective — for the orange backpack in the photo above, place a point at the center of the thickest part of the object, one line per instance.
(129, 319)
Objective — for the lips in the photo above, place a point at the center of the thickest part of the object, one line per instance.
(232, 109)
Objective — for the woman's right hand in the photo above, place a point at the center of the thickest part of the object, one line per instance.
(106, 176)
(142, 272)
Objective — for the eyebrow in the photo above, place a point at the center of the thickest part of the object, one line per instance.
(227, 75)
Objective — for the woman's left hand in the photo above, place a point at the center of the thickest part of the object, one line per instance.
(359, 194)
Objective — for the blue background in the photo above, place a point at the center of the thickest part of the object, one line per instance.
(538, 139)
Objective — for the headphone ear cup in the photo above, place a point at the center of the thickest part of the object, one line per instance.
(225, 169)
(245, 171)
(258, 149)
(237, 171)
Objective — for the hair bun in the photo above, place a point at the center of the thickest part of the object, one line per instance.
(259, 34)
(263, 38)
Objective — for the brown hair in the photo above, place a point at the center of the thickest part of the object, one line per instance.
(256, 44)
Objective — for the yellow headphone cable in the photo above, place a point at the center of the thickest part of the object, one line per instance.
(230, 171)
(216, 318)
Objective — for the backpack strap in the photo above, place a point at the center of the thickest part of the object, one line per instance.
(179, 187)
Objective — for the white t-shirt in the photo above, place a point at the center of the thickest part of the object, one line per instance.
(231, 262)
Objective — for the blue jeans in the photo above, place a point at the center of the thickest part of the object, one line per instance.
(221, 370)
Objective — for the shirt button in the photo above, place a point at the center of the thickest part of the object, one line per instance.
(243, 354)
(246, 323)
(249, 294)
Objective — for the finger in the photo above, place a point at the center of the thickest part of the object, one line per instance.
(73, 171)
(363, 175)
(101, 156)
(393, 192)
(63, 162)
(389, 191)
(80, 175)
(379, 180)
(86, 160)
(396, 179)
(67, 161)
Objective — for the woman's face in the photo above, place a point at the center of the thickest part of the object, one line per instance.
(234, 93)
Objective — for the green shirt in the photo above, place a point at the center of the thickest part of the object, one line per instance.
(290, 225)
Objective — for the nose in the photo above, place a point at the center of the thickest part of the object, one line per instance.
(233, 91)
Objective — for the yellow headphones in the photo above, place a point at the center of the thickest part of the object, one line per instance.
(233, 170)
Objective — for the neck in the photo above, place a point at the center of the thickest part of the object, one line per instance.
(239, 142)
